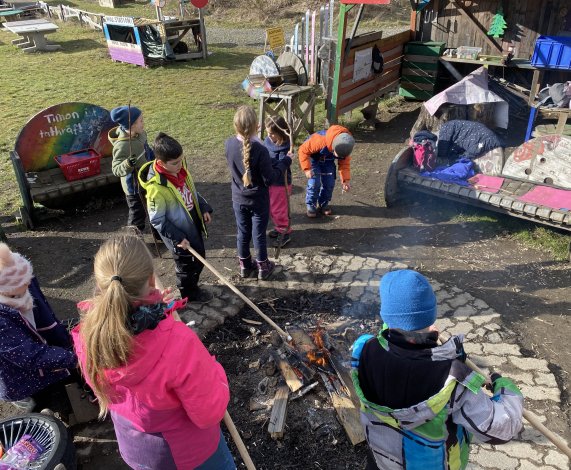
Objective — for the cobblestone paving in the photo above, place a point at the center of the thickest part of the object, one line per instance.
(488, 342)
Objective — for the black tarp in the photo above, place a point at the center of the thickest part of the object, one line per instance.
(152, 44)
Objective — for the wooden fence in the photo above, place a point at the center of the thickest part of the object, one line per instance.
(64, 13)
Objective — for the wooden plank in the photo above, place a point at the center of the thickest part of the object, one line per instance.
(292, 380)
(279, 411)
(346, 412)
(390, 87)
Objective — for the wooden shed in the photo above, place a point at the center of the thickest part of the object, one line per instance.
(466, 23)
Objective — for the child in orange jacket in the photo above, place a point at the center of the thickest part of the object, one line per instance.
(317, 157)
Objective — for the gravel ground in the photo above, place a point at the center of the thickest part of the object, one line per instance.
(227, 37)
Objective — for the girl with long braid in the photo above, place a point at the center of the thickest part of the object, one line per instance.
(252, 174)
(165, 393)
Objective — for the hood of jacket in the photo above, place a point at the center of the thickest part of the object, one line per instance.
(149, 176)
(116, 134)
(276, 148)
(146, 353)
(333, 132)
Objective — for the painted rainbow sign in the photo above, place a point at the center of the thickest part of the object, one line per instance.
(60, 129)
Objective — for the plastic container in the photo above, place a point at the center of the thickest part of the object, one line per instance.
(79, 164)
(468, 52)
(553, 52)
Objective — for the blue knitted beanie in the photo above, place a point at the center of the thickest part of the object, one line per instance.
(407, 300)
(120, 115)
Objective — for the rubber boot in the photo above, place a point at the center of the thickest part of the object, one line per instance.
(247, 267)
(265, 269)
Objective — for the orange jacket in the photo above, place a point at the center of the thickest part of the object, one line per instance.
(317, 142)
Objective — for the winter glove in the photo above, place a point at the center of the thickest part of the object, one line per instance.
(499, 384)
(357, 349)
(460, 353)
(132, 160)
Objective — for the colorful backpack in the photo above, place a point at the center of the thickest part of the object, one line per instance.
(424, 154)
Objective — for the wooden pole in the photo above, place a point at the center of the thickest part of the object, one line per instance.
(528, 415)
(238, 441)
(242, 296)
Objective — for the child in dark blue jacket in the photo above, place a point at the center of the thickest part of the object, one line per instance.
(252, 174)
(35, 351)
(278, 144)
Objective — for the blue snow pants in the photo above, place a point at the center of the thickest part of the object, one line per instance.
(320, 188)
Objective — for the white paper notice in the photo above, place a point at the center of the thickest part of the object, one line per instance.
(363, 64)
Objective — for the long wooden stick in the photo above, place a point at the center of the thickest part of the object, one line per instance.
(242, 296)
(239, 442)
(528, 415)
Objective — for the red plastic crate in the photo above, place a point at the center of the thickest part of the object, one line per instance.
(79, 164)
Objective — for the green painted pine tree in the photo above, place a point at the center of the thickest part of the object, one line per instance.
(498, 24)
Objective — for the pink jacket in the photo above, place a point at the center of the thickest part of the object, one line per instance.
(171, 385)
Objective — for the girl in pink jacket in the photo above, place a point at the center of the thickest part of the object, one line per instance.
(165, 393)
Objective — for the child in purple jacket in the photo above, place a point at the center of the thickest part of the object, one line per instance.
(35, 351)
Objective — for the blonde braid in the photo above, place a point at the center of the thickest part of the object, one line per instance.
(246, 177)
(245, 125)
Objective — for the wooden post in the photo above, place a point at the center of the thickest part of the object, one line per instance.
(333, 103)
(203, 34)
(535, 84)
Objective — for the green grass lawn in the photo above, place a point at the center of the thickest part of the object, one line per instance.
(193, 101)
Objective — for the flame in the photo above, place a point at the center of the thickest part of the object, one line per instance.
(319, 356)
(316, 358)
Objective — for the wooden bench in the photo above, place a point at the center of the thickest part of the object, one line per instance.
(47, 135)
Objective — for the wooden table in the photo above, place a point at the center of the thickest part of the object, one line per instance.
(33, 34)
(298, 102)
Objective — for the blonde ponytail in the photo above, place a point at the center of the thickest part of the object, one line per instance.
(123, 266)
(246, 125)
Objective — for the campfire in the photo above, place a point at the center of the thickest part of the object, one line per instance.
(299, 361)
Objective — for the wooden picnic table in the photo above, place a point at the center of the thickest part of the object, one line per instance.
(33, 34)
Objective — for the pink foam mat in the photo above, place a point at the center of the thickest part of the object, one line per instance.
(549, 197)
(485, 183)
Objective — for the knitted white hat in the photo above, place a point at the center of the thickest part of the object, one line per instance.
(15, 270)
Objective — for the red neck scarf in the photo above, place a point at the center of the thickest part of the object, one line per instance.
(178, 180)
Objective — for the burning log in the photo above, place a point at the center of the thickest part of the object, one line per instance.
(293, 381)
(340, 393)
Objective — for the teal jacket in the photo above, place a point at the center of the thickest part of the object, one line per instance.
(168, 212)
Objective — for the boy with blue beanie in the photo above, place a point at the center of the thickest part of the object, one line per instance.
(420, 404)
(130, 152)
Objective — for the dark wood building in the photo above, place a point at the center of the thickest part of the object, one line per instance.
(466, 22)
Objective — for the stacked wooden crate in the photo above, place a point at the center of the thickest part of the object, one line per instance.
(420, 69)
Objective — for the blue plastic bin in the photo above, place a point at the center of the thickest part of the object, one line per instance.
(553, 52)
